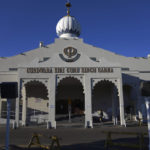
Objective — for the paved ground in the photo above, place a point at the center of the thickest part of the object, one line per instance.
(74, 138)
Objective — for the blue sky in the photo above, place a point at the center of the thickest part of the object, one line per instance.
(121, 26)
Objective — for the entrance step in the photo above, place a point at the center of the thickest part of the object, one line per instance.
(70, 125)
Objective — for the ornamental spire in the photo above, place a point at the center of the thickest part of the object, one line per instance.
(68, 5)
(68, 26)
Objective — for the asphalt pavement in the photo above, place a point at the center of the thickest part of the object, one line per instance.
(75, 138)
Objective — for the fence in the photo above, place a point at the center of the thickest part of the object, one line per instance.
(140, 145)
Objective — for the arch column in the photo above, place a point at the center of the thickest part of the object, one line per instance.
(0, 104)
(24, 106)
(139, 111)
(52, 96)
(121, 102)
(140, 115)
(0, 108)
(114, 106)
(88, 103)
(16, 123)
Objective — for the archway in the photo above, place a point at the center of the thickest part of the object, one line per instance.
(105, 98)
(37, 102)
(69, 101)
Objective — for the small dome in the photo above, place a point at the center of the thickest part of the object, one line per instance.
(68, 27)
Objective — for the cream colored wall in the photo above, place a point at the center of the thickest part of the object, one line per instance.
(8, 77)
(145, 76)
(38, 104)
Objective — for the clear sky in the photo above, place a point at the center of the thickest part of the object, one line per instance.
(121, 26)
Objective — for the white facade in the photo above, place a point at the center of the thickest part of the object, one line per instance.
(71, 70)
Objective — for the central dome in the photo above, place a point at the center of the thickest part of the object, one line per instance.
(68, 26)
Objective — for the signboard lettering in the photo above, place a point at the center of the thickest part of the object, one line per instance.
(70, 70)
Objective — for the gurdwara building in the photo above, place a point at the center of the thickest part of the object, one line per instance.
(70, 78)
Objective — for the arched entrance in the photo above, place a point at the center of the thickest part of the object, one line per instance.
(70, 101)
(105, 98)
(36, 102)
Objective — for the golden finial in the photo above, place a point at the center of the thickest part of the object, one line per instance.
(68, 5)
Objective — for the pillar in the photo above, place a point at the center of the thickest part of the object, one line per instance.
(24, 106)
(88, 103)
(140, 116)
(51, 110)
(16, 124)
(17, 108)
(139, 102)
(0, 105)
(0, 108)
(147, 103)
(121, 103)
(114, 106)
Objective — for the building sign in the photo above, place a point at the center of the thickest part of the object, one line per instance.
(70, 70)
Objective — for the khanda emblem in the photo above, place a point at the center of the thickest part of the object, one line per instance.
(70, 51)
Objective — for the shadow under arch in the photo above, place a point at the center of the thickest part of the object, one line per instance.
(70, 95)
(145, 88)
(105, 98)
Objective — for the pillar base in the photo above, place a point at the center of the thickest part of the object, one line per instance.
(15, 125)
(51, 125)
(24, 124)
(123, 123)
(88, 124)
(115, 121)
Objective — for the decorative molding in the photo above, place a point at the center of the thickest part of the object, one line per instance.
(97, 80)
(41, 81)
(61, 77)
